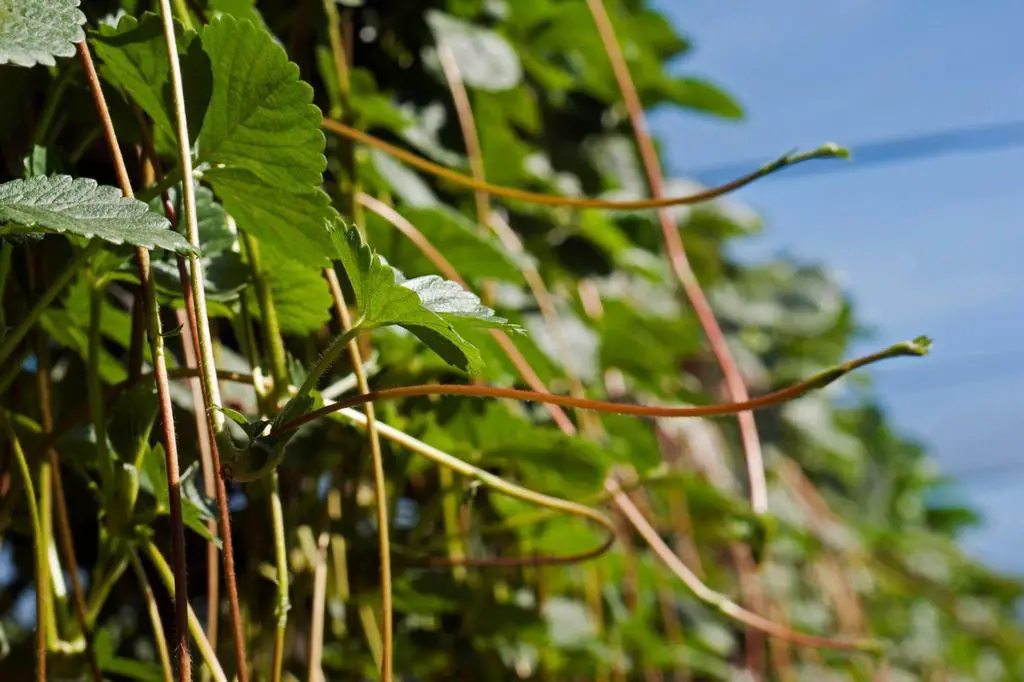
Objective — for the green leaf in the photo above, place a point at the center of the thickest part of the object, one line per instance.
(61, 327)
(432, 308)
(261, 115)
(79, 206)
(301, 296)
(700, 95)
(294, 223)
(35, 31)
(472, 254)
(131, 422)
(135, 60)
(196, 508)
(262, 140)
(493, 435)
(485, 58)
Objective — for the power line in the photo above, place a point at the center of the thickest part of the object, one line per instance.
(971, 139)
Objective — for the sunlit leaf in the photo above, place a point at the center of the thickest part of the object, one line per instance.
(79, 206)
(35, 31)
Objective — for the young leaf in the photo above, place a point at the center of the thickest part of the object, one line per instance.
(35, 31)
(434, 309)
(79, 206)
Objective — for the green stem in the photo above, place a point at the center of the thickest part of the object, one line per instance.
(159, 637)
(496, 484)
(101, 590)
(40, 556)
(274, 346)
(53, 98)
(207, 367)
(206, 651)
(329, 357)
(46, 538)
(282, 605)
(181, 10)
(268, 314)
(57, 284)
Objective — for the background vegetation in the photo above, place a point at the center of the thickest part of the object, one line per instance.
(844, 544)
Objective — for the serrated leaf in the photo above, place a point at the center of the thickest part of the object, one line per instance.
(261, 115)
(434, 309)
(261, 138)
(135, 59)
(35, 31)
(80, 206)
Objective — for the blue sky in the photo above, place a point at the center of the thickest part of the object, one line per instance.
(928, 246)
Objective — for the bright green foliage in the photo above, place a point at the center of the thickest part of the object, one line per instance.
(474, 255)
(35, 31)
(80, 207)
(261, 137)
(135, 59)
(858, 539)
(436, 310)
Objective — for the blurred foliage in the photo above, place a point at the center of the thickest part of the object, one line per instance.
(859, 547)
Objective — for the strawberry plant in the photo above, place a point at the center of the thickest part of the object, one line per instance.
(356, 340)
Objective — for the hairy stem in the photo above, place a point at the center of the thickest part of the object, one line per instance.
(208, 371)
(156, 344)
(344, 130)
(819, 380)
(379, 481)
(206, 651)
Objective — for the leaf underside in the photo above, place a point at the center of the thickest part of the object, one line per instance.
(81, 207)
(35, 31)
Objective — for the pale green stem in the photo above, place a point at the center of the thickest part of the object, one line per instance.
(281, 561)
(379, 482)
(486, 478)
(160, 639)
(101, 590)
(274, 347)
(40, 556)
(57, 285)
(181, 10)
(206, 651)
(207, 366)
